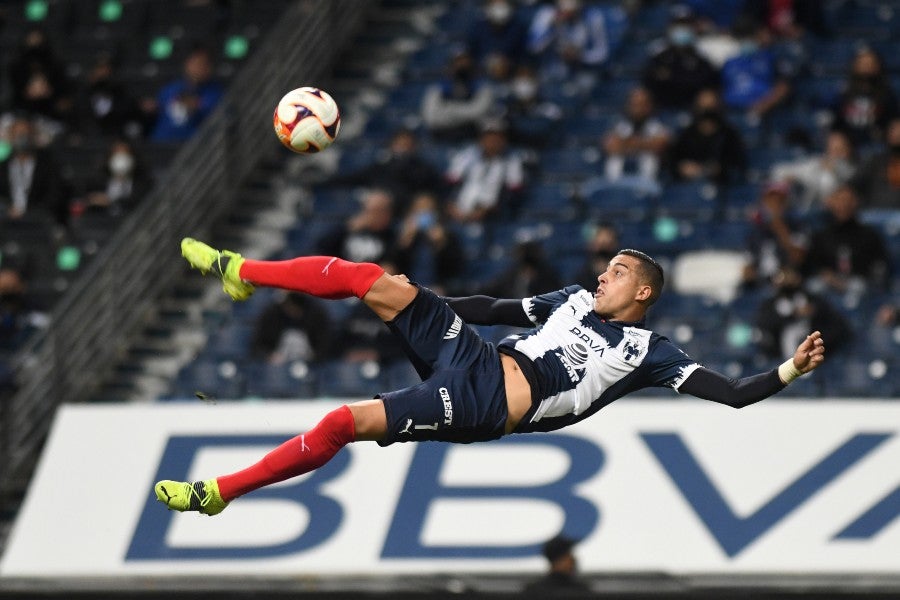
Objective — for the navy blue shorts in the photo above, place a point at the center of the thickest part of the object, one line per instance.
(462, 397)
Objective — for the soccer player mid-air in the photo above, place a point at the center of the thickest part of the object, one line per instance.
(582, 350)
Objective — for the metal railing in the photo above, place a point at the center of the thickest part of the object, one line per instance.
(93, 323)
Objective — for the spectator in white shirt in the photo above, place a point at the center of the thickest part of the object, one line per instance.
(485, 175)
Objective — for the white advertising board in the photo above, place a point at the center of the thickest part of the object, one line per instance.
(677, 486)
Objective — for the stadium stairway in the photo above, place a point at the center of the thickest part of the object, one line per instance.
(273, 201)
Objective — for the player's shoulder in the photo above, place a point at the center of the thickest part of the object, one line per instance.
(661, 348)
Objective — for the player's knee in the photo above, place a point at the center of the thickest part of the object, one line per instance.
(389, 295)
(369, 420)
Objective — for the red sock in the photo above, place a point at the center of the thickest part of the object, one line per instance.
(296, 456)
(322, 276)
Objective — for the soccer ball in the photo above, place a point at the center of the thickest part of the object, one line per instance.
(307, 120)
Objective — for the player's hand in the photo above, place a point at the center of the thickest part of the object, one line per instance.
(810, 353)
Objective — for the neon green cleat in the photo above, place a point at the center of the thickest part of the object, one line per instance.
(225, 264)
(199, 496)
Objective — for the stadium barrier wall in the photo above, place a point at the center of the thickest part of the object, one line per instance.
(92, 324)
(679, 489)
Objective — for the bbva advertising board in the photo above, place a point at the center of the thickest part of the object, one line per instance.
(677, 486)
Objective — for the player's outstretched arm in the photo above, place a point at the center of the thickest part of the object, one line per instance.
(710, 385)
(485, 310)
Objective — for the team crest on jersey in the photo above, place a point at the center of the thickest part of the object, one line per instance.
(634, 344)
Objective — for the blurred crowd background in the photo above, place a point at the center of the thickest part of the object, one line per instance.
(752, 146)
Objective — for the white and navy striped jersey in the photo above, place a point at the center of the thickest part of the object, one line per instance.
(581, 362)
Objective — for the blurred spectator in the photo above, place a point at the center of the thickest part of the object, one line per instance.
(867, 101)
(878, 180)
(104, 106)
(887, 315)
(570, 38)
(709, 147)
(776, 240)
(368, 235)
(816, 177)
(487, 176)
(38, 79)
(532, 119)
(30, 181)
(121, 182)
(184, 103)
(677, 71)
(846, 255)
(786, 318)
(602, 245)
(12, 307)
(753, 81)
(635, 145)
(789, 20)
(366, 338)
(294, 327)
(497, 38)
(562, 577)
(428, 252)
(529, 275)
(453, 107)
(715, 15)
(401, 171)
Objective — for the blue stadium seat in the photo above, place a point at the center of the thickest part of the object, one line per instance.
(342, 379)
(231, 341)
(287, 381)
(210, 377)
(698, 201)
(612, 201)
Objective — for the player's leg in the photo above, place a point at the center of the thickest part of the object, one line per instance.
(321, 276)
(301, 454)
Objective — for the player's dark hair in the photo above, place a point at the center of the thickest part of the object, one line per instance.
(650, 272)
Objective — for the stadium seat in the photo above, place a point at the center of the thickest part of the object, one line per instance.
(209, 377)
(294, 380)
(696, 200)
(616, 201)
(230, 341)
(712, 273)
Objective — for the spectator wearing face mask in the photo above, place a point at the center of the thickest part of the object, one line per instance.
(754, 81)
(123, 181)
(38, 79)
(453, 107)
(782, 317)
(878, 181)
(428, 251)
(678, 71)
(867, 102)
(488, 178)
(30, 181)
(817, 176)
(709, 148)
(497, 36)
(635, 145)
(571, 38)
(530, 117)
(846, 255)
(104, 106)
(184, 103)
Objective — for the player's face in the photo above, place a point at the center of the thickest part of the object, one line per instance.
(619, 290)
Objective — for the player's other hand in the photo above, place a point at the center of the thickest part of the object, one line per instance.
(810, 353)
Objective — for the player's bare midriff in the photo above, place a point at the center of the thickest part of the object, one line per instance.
(518, 392)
